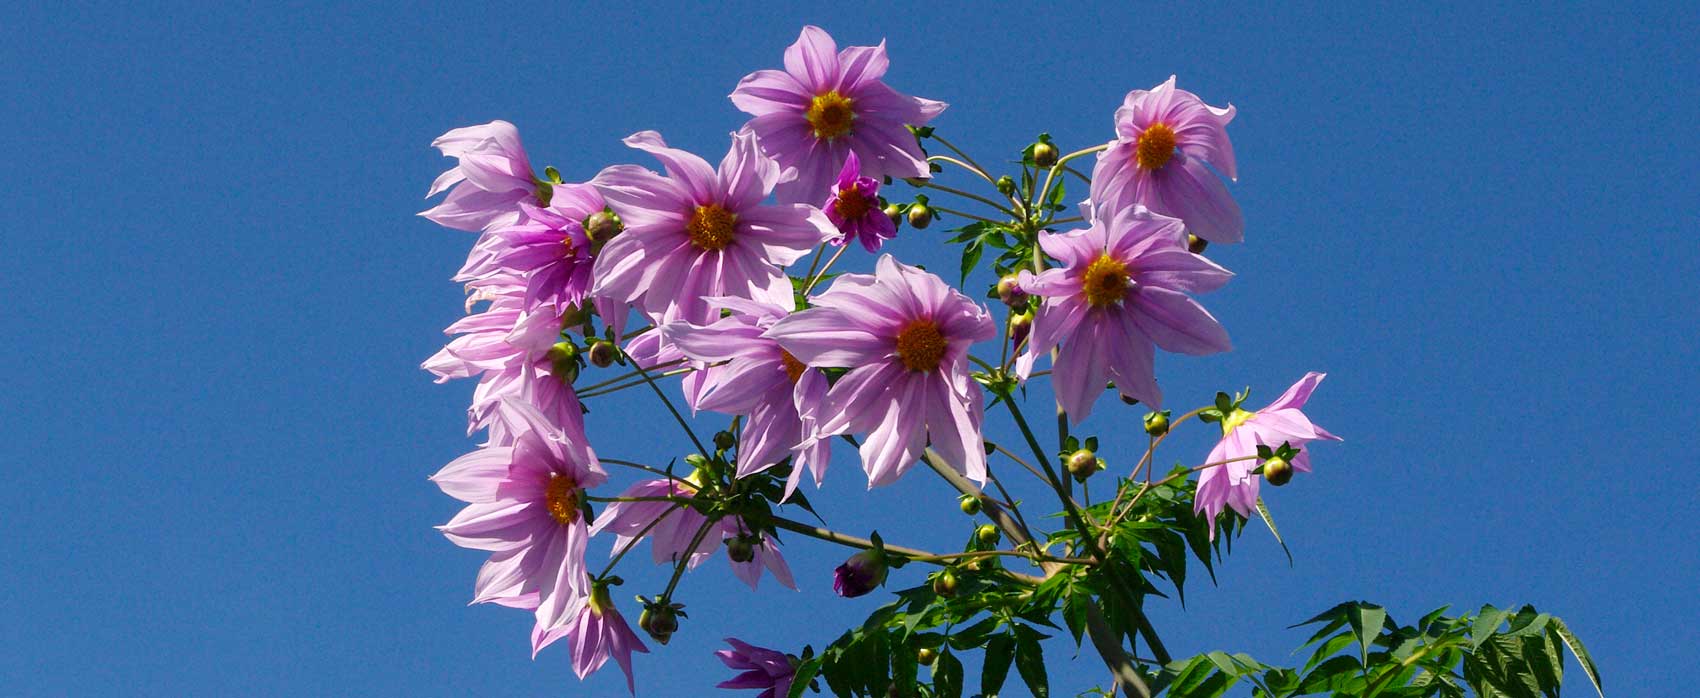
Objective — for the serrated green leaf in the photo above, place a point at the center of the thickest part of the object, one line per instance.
(805, 673)
(1581, 653)
(1030, 662)
(1000, 653)
(1486, 625)
(947, 675)
(1366, 621)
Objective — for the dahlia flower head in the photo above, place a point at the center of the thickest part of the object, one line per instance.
(1282, 421)
(1120, 292)
(746, 372)
(595, 633)
(1165, 136)
(492, 177)
(904, 334)
(854, 207)
(827, 104)
(546, 247)
(697, 233)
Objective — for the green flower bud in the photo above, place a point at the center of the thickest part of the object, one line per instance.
(1044, 154)
(740, 549)
(1009, 289)
(563, 361)
(603, 353)
(724, 440)
(944, 584)
(602, 226)
(1157, 423)
(920, 216)
(1196, 244)
(925, 656)
(988, 534)
(1082, 463)
(1277, 471)
(970, 504)
(895, 213)
(1006, 185)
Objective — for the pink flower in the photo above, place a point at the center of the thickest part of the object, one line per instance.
(752, 375)
(1120, 290)
(762, 668)
(827, 104)
(1234, 484)
(596, 632)
(508, 349)
(1164, 137)
(671, 528)
(855, 208)
(547, 247)
(492, 177)
(699, 233)
(904, 334)
(523, 505)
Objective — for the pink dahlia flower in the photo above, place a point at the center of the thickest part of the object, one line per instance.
(1234, 484)
(523, 505)
(904, 334)
(698, 233)
(762, 668)
(855, 208)
(1164, 138)
(508, 349)
(675, 527)
(748, 373)
(827, 104)
(1121, 290)
(596, 632)
(492, 177)
(547, 247)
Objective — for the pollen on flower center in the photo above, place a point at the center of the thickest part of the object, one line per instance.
(830, 115)
(711, 227)
(851, 203)
(1105, 281)
(560, 497)
(1234, 420)
(920, 346)
(1156, 145)
(793, 368)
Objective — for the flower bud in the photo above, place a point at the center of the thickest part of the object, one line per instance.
(920, 216)
(1009, 289)
(602, 225)
(988, 534)
(895, 213)
(1006, 186)
(1044, 154)
(740, 549)
(1157, 423)
(860, 574)
(724, 440)
(660, 621)
(944, 584)
(1196, 244)
(970, 504)
(925, 656)
(1277, 471)
(1082, 463)
(603, 353)
(563, 361)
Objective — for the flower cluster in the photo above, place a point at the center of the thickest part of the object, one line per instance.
(709, 258)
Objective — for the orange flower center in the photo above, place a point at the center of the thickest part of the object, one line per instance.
(793, 368)
(920, 346)
(1156, 145)
(1105, 281)
(711, 227)
(560, 497)
(830, 115)
(851, 204)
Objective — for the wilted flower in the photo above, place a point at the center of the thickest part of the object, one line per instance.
(1164, 137)
(1234, 484)
(855, 208)
(762, 668)
(904, 334)
(697, 233)
(523, 505)
(490, 180)
(827, 104)
(1120, 290)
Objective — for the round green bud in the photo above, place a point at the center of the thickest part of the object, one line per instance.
(987, 534)
(944, 584)
(603, 353)
(969, 504)
(1006, 186)
(563, 361)
(895, 213)
(601, 226)
(1082, 463)
(740, 549)
(1277, 471)
(1196, 244)
(1044, 154)
(920, 216)
(925, 656)
(1157, 423)
(724, 440)
(660, 621)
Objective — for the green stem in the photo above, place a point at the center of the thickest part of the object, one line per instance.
(815, 278)
(969, 216)
(950, 190)
(627, 376)
(685, 559)
(632, 383)
(680, 418)
(965, 156)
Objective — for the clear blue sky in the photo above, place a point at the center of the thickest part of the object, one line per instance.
(216, 434)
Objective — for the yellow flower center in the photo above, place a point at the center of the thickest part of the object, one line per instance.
(711, 227)
(560, 497)
(1105, 281)
(1155, 146)
(920, 346)
(830, 115)
(851, 204)
(793, 368)
(1234, 420)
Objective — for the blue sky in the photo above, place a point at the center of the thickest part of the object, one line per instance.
(1482, 226)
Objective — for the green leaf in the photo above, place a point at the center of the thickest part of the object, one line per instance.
(1486, 625)
(1366, 623)
(970, 257)
(1328, 649)
(1000, 652)
(947, 675)
(805, 673)
(1269, 521)
(1580, 652)
(1030, 662)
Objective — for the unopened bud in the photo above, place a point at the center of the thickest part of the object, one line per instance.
(970, 504)
(860, 574)
(740, 549)
(925, 656)
(944, 584)
(988, 534)
(602, 225)
(1009, 289)
(1196, 244)
(1277, 471)
(563, 361)
(1006, 186)
(920, 216)
(603, 353)
(724, 440)
(1082, 463)
(895, 213)
(660, 620)
(1157, 423)
(1044, 154)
